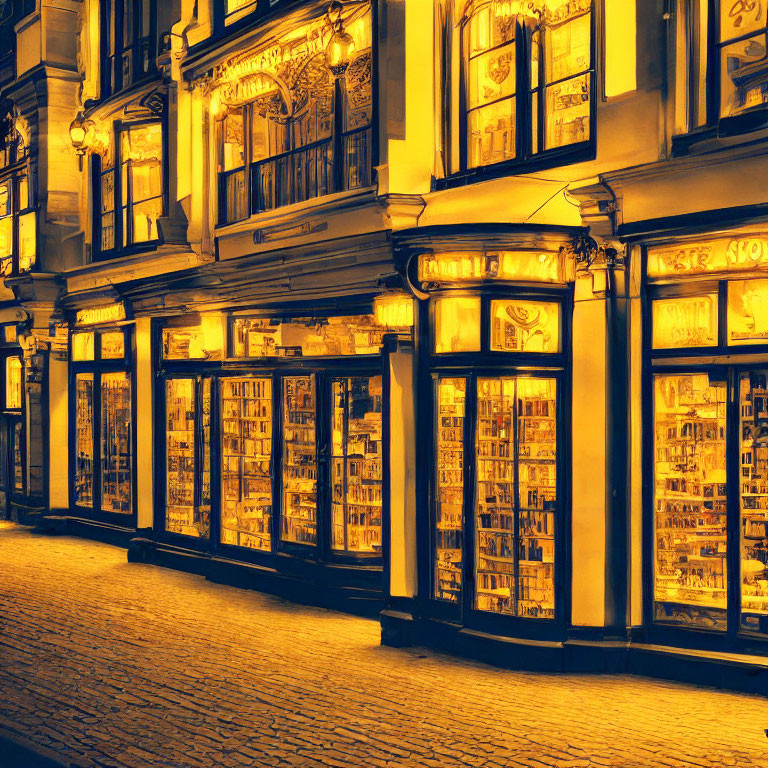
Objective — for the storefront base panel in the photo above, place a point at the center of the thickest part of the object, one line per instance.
(352, 589)
(736, 672)
(63, 524)
(27, 513)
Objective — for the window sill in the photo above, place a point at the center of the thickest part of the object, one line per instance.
(728, 132)
(570, 155)
(284, 214)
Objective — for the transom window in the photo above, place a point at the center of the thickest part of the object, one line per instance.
(722, 66)
(128, 33)
(527, 81)
(130, 188)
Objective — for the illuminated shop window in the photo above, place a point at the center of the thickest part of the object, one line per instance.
(556, 78)
(685, 322)
(246, 462)
(281, 138)
(204, 341)
(516, 499)
(84, 449)
(449, 482)
(457, 324)
(83, 343)
(690, 517)
(116, 442)
(184, 513)
(525, 326)
(130, 193)
(739, 58)
(307, 337)
(475, 266)
(113, 345)
(299, 511)
(128, 30)
(748, 312)
(18, 220)
(13, 380)
(356, 464)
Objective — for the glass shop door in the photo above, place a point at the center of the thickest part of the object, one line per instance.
(11, 461)
(496, 498)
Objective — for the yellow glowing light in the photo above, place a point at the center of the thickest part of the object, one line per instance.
(213, 335)
(109, 313)
(83, 346)
(748, 312)
(394, 310)
(620, 47)
(13, 376)
(735, 254)
(525, 326)
(685, 322)
(457, 324)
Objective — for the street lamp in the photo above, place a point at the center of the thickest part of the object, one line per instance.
(341, 45)
(77, 133)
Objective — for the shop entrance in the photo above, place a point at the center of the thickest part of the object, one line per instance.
(11, 460)
(496, 500)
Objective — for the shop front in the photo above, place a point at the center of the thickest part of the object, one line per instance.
(706, 445)
(272, 451)
(494, 352)
(102, 432)
(12, 433)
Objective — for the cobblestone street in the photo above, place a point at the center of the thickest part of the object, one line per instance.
(112, 664)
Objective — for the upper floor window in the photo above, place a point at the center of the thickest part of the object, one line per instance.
(307, 133)
(129, 188)
(18, 220)
(237, 9)
(527, 80)
(722, 63)
(128, 35)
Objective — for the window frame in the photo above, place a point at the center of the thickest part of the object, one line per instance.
(526, 158)
(96, 367)
(727, 362)
(117, 169)
(714, 124)
(15, 172)
(114, 51)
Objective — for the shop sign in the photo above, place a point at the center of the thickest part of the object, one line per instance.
(108, 313)
(725, 255)
(473, 266)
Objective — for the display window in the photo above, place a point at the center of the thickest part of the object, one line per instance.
(497, 509)
(707, 446)
(12, 433)
(292, 414)
(102, 427)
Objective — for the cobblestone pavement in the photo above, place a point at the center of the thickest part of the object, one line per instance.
(116, 664)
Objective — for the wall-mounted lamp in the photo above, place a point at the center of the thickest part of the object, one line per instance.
(77, 133)
(341, 46)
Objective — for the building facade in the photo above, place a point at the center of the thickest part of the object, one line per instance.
(451, 312)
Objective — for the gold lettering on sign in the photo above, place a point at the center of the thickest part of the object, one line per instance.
(725, 255)
(109, 313)
(469, 266)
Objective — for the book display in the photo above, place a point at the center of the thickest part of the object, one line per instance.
(14, 371)
(537, 495)
(299, 512)
(449, 483)
(116, 442)
(246, 456)
(306, 337)
(18, 457)
(356, 464)
(516, 496)
(83, 481)
(690, 499)
(753, 405)
(181, 514)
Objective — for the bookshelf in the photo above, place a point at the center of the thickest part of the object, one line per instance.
(299, 511)
(83, 490)
(246, 471)
(116, 442)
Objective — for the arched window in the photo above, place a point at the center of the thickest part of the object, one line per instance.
(527, 85)
(305, 134)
